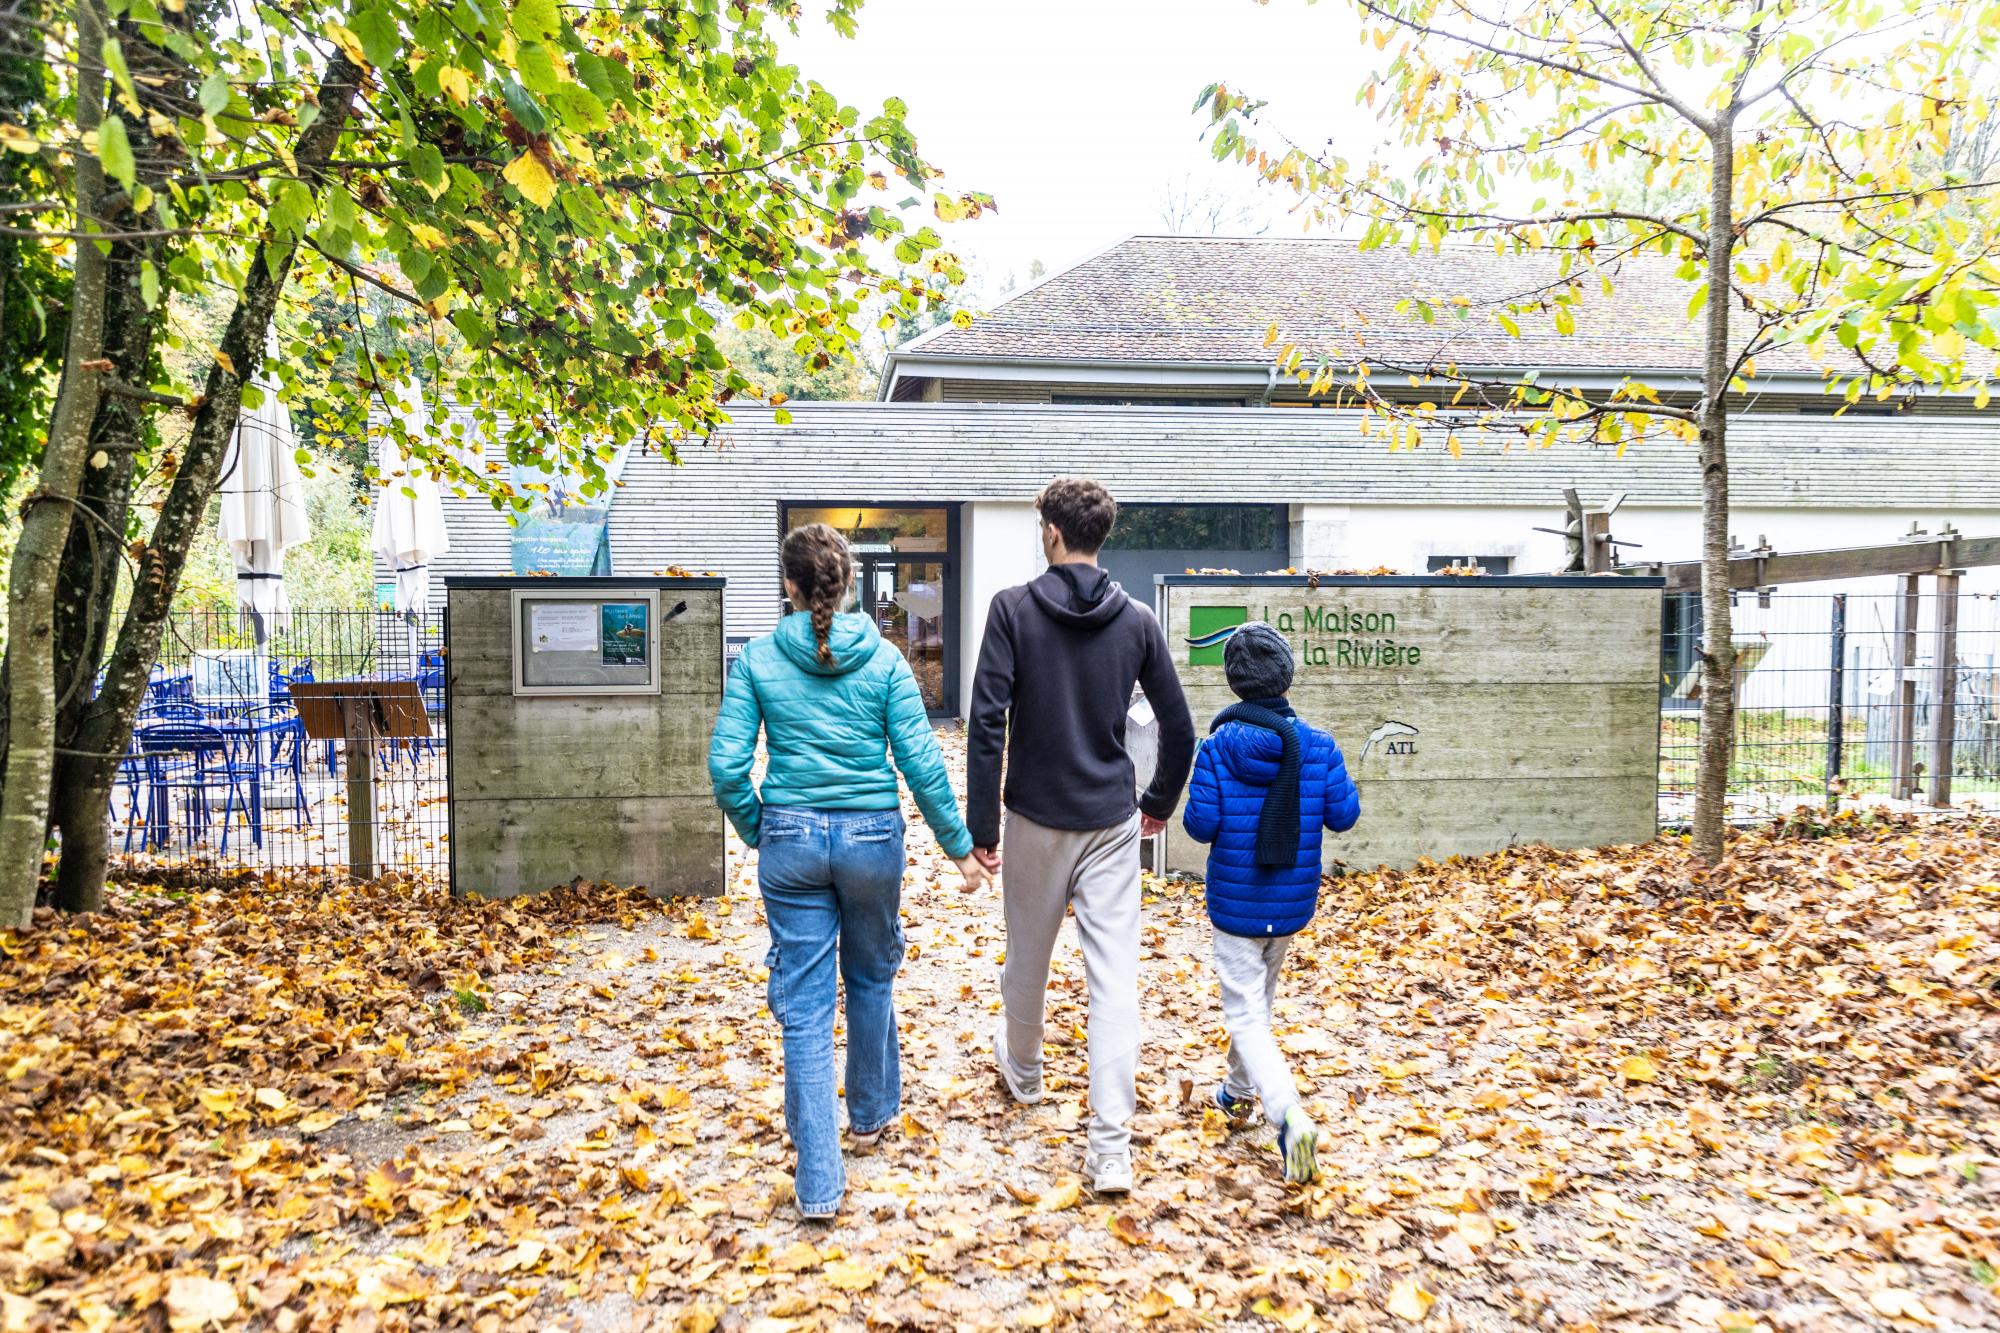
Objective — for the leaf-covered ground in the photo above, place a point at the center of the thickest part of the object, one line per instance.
(1561, 1090)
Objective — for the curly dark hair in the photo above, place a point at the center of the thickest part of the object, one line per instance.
(820, 566)
(1081, 510)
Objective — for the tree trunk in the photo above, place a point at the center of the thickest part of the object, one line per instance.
(88, 584)
(1718, 647)
(81, 797)
(45, 524)
(107, 725)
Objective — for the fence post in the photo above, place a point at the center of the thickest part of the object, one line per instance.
(1836, 700)
(1903, 746)
(1944, 689)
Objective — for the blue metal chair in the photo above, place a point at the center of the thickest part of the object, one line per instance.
(192, 757)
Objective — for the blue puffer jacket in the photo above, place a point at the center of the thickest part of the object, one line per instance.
(828, 730)
(1234, 768)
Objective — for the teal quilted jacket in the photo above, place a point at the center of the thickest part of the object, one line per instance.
(828, 730)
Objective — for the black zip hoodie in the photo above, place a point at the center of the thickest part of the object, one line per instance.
(1055, 678)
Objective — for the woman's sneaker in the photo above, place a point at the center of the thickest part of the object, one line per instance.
(868, 1140)
(1298, 1144)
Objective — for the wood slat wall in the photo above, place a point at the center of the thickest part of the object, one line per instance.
(719, 510)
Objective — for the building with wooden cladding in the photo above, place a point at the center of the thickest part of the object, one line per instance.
(1146, 367)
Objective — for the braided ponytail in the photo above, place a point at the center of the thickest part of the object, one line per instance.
(819, 565)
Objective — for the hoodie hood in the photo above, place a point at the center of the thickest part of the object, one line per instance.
(1251, 754)
(1080, 595)
(853, 639)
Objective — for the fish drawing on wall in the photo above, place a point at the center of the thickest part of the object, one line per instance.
(1383, 733)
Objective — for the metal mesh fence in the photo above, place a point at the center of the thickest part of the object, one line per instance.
(220, 770)
(1838, 694)
(1841, 695)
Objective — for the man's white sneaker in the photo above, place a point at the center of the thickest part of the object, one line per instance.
(1111, 1173)
(1028, 1094)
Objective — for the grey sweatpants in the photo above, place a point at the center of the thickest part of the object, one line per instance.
(1248, 970)
(1097, 872)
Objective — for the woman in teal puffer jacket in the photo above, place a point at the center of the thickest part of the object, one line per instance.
(834, 700)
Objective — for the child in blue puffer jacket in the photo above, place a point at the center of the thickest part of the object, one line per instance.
(1265, 785)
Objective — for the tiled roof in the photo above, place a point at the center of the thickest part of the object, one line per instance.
(1203, 299)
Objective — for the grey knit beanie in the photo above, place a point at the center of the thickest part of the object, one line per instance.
(1257, 661)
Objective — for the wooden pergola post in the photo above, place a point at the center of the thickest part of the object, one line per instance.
(1903, 694)
(1944, 690)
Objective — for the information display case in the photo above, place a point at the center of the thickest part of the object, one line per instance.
(586, 641)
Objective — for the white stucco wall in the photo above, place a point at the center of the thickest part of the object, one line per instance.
(1795, 626)
(1403, 536)
(999, 546)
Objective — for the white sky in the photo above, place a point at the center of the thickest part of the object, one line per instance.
(1074, 114)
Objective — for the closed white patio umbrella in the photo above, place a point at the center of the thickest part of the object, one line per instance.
(263, 508)
(409, 517)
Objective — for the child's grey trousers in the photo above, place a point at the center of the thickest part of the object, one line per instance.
(1248, 970)
(1097, 872)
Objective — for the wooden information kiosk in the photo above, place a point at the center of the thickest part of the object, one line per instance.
(358, 713)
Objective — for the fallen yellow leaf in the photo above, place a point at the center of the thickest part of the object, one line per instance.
(1066, 1195)
(848, 1275)
(1913, 1163)
(1638, 1069)
(195, 1301)
(1409, 1302)
(1897, 1303)
(1292, 1318)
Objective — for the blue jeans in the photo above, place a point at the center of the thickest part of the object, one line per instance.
(833, 878)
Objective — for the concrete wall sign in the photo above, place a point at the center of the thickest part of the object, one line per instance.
(1474, 713)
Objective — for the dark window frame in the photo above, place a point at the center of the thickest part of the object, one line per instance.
(1278, 514)
(948, 558)
(1437, 564)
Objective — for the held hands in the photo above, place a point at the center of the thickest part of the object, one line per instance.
(1150, 827)
(973, 870)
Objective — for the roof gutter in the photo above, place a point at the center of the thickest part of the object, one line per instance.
(1081, 370)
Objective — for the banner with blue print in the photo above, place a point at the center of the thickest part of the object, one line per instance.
(563, 531)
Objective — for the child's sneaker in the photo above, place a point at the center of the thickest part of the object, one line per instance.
(1227, 1102)
(1298, 1144)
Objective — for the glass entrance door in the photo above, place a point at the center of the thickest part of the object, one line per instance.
(906, 600)
(906, 567)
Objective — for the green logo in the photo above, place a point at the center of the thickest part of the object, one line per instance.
(1209, 628)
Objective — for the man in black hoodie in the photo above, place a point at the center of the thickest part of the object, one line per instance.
(1054, 684)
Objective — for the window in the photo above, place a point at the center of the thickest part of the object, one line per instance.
(1492, 564)
(1129, 400)
(1198, 528)
(905, 580)
(1151, 540)
(872, 528)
